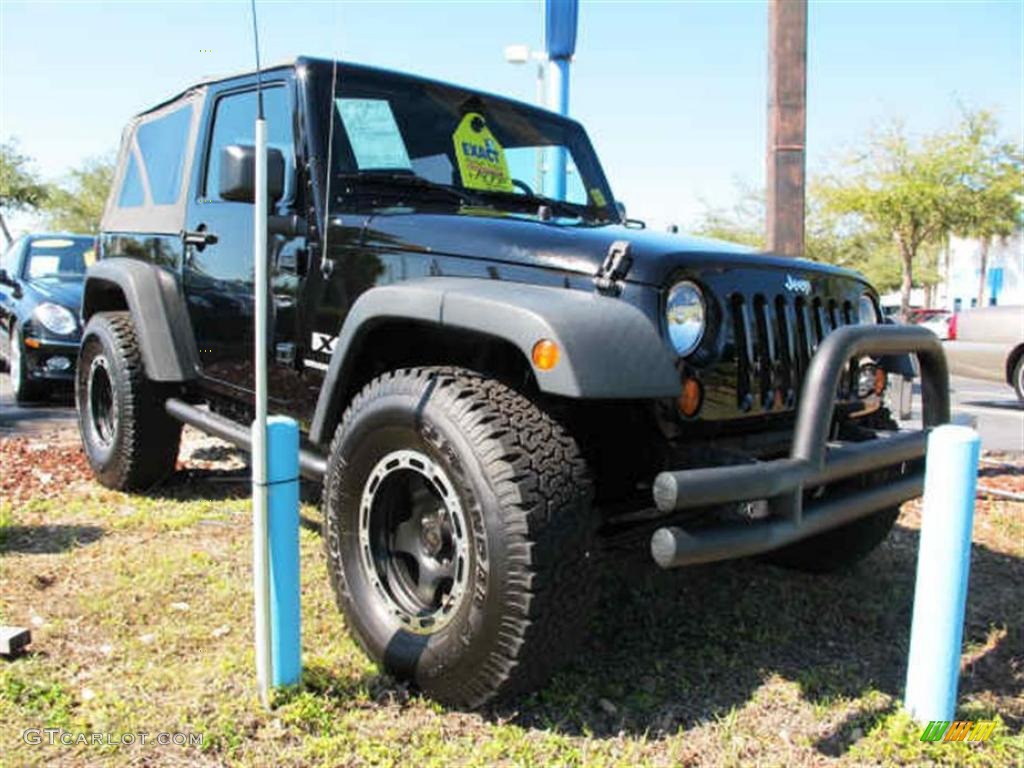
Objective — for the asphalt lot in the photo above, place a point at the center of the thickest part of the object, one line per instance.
(1000, 416)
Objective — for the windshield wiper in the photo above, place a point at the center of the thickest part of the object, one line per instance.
(540, 202)
(408, 182)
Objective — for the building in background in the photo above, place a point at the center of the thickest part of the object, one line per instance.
(1004, 283)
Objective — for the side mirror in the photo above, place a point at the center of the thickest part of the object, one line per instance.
(621, 208)
(6, 279)
(238, 173)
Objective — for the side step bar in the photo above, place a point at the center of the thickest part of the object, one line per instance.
(312, 465)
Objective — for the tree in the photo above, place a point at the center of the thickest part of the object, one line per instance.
(77, 205)
(743, 223)
(918, 193)
(20, 188)
(990, 205)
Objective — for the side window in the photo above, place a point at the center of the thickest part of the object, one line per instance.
(162, 144)
(233, 121)
(131, 195)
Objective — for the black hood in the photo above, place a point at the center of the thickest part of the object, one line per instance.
(65, 291)
(575, 248)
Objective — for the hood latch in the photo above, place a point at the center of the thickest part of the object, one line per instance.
(614, 269)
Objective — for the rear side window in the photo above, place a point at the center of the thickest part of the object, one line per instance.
(132, 194)
(156, 158)
(162, 146)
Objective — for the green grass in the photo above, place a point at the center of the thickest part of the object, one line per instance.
(147, 627)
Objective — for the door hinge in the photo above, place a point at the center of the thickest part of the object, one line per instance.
(614, 269)
(284, 353)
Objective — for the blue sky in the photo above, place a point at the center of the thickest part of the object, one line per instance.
(672, 93)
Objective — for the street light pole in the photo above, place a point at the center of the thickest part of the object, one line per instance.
(520, 54)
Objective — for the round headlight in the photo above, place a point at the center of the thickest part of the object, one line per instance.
(686, 317)
(55, 318)
(867, 312)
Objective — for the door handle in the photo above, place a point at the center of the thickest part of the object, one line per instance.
(199, 238)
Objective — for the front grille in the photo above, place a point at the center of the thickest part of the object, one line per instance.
(775, 338)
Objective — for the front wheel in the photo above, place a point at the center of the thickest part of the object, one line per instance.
(458, 533)
(130, 441)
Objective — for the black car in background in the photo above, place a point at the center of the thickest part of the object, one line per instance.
(41, 278)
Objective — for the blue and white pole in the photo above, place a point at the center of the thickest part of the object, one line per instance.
(283, 535)
(560, 22)
(943, 567)
(558, 99)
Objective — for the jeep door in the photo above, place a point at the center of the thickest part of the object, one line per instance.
(218, 274)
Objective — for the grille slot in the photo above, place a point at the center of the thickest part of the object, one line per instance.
(775, 339)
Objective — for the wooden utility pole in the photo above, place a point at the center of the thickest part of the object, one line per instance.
(787, 124)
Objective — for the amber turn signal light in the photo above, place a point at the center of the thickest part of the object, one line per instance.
(690, 397)
(545, 354)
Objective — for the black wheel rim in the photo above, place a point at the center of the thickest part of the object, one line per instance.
(413, 540)
(102, 413)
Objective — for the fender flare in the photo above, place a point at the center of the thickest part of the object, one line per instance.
(609, 348)
(158, 311)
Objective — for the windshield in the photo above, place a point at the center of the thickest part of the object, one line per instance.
(399, 140)
(58, 257)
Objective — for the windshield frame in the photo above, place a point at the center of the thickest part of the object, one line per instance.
(320, 112)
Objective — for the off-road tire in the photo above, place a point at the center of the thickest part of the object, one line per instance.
(526, 488)
(142, 446)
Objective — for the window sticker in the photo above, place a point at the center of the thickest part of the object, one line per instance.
(373, 133)
(598, 197)
(481, 158)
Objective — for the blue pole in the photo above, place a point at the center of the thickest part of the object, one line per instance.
(283, 534)
(943, 566)
(559, 98)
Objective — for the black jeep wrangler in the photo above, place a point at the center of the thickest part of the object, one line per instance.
(494, 385)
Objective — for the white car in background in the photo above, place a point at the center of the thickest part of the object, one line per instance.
(935, 320)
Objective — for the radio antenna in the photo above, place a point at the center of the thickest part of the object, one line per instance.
(260, 490)
(324, 268)
(259, 73)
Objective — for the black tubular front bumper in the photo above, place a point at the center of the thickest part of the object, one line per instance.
(812, 461)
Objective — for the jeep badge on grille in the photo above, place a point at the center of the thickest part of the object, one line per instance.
(798, 286)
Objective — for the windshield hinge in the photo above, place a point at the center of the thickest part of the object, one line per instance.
(614, 269)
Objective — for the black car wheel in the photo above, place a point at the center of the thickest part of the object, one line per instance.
(129, 440)
(458, 533)
(25, 390)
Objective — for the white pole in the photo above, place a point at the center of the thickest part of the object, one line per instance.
(261, 290)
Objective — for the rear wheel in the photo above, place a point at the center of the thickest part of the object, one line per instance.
(458, 533)
(25, 390)
(129, 440)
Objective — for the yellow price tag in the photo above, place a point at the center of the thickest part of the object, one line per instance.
(481, 158)
(598, 197)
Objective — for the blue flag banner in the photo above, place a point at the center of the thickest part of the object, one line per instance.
(560, 27)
